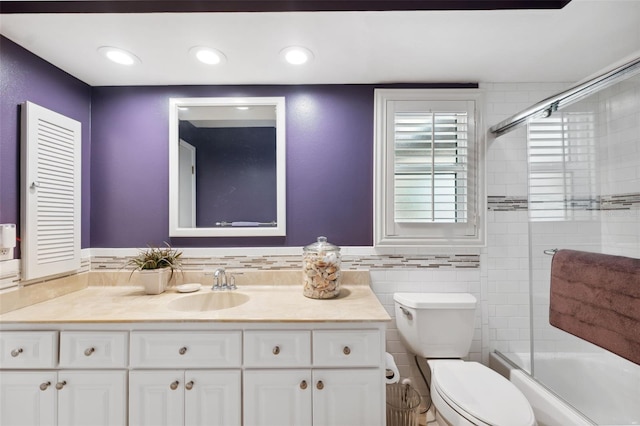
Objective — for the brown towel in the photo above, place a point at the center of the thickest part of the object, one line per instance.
(597, 297)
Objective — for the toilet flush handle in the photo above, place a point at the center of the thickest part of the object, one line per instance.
(406, 312)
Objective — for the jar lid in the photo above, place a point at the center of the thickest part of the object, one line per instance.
(322, 245)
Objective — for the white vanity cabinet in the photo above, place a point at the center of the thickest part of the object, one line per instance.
(193, 373)
(90, 392)
(341, 384)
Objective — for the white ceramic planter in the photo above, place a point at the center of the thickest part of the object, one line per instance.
(155, 281)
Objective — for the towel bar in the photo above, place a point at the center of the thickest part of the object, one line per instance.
(224, 223)
(550, 252)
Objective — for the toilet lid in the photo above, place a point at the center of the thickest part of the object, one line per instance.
(482, 393)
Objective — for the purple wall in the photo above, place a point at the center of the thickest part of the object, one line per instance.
(26, 77)
(125, 155)
(329, 164)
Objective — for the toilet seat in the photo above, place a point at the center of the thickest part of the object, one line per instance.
(480, 395)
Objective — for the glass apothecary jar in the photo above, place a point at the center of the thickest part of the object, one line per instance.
(321, 270)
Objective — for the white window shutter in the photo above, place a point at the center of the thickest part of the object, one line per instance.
(51, 189)
(428, 172)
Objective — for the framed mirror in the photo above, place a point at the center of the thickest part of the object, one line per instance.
(227, 167)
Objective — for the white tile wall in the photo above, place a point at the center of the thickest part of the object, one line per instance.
(619, 151)
(505, 260)
(507, 155)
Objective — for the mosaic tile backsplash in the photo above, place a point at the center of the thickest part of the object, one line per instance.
(289, 262)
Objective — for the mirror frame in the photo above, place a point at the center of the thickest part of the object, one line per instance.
(174, 141)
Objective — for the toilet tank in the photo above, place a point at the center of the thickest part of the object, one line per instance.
(436, 325)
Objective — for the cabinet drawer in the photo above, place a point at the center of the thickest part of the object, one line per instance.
(191, 349)
(347, 348)
(93, 349)
(287, 348)
(28, 349)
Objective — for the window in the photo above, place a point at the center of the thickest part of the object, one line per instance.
(426, 183)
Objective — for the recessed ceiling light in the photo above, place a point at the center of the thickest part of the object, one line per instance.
(207, 55)
(242, 108)
(119, 56)
(296, 55)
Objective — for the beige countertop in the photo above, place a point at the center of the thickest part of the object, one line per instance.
(266, 303)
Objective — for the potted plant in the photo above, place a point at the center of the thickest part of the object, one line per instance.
(155, 266)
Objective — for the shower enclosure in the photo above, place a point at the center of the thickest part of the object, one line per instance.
(584, 194)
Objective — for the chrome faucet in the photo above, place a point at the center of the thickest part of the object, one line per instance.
(219, 280)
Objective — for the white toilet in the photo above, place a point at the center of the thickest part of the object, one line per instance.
(439, 327)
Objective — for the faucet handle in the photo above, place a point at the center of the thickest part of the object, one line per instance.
(232, 280)
(216, 279)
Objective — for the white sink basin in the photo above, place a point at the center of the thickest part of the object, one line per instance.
(212, 301)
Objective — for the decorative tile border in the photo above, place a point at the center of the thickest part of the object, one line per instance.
(620, 202)
(507, 204)
(288, 262)
(12, 278)
(605, 202)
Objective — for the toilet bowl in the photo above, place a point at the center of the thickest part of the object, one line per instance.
(439, 327)
(468, 393)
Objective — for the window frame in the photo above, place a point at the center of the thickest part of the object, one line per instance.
(389, 233)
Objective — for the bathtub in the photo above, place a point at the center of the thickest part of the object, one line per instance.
(608, 394)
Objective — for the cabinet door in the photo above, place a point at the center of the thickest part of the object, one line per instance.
(156, 398)
(347, 397)
(28, 398)
(277, 397)
(212, 398)
(90, 397)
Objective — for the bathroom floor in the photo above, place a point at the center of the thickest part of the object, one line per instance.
(429, 419)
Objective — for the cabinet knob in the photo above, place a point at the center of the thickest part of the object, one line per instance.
(320, 385)
(174, 385)
(16, 352)
(189, 385)
(44, 386)
(183, 350)
(59, 385)
(346, 350)
(89, 351)
(276, 350)
(303, 384)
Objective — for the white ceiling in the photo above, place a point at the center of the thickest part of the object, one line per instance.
(562, 45)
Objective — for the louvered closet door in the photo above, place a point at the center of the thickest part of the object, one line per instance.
(51, 217)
